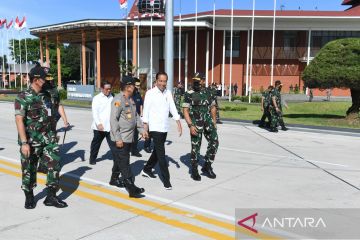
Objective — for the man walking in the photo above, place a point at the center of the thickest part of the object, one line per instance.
(101, 107)
(265, 104)
(37, 140)
(158, 103)
(123, 120)
(276, 108)
(139, 109)
(200, 115)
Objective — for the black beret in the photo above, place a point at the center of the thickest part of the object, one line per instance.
(37, 72)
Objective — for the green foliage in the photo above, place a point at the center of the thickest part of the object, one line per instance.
(232, 108)
(254, 99)
(127, 68)
(337, 65)
(63, 94)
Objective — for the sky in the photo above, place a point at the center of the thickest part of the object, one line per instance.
(46, 12)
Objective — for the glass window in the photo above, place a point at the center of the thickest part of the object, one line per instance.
(236, 43)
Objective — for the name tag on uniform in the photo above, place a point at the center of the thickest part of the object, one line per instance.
(129, 116)
(48, 109)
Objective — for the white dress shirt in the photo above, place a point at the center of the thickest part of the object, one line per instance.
(157, 106)
(101, 109)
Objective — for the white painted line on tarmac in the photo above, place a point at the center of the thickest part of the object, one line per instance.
(160, 199)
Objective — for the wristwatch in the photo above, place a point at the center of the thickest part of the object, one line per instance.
(23, 142)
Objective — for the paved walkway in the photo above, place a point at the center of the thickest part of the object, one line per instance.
(255, 169)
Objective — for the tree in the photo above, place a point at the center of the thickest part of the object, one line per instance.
(70, 57)
(337, 65)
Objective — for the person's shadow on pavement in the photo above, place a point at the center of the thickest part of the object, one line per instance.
(70, 181)
(66, 157)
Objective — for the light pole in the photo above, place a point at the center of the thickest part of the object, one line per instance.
(169, 43)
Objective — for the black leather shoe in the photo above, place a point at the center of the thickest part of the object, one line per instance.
(167, 186)
(208, 171)
(29, 200)
(52, 200)
(92, 162)
(219, 122)
(117, 183)
(147, 149)
(148, 174)
(136, 154)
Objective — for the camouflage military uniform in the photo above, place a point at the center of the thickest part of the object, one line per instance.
(199, 104)
(41, 138)
(276, 117)
(178, 93)
(214, 96)
(51, 99)
(267, 102)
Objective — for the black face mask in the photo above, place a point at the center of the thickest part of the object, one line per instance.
(196, 86)
(47, 85)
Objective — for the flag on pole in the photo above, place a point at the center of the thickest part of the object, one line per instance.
(8, 25)
(2, 23)
(123, 4)
(20, 25)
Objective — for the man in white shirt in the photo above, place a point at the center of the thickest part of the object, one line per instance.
(101, 108)
(158, 103)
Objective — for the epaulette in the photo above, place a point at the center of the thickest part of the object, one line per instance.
(190, 91)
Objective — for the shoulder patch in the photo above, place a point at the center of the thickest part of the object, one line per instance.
(190, 91)
(117, 104)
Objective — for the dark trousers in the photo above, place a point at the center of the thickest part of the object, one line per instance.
(158, 155)
(147, 143)
(134, 148)
(122, 161)
(96, 143)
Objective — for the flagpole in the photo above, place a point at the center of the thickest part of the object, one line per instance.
(21, 85)
(252, 50)
(27, 64)
(273, 46)
(196, 17)
(179, 80)
(231, 47)
(7, 40)
(13, 40)
(126, 40)
(213, 46)
(3, 57)
(151, 48)
(138, 47)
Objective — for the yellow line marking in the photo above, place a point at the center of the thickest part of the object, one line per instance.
(156, 205)
(137, 211)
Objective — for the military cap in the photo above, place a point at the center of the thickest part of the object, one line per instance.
(37, 72)
(128, 80)
(198, 76)
(278, 83)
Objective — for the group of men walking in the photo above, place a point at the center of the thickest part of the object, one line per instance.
(271, 105)
(119, 119)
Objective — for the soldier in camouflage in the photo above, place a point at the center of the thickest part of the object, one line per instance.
(265, 104)
(213, 90)
(177, 94)
(51, 98)
(200, 114)
(276, 108)
(37, 140)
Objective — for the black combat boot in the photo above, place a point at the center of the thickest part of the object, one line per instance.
(29, 200)
(207, 170)
(133, 190)
(52, 200)
(194, 171)
(284, 128)
(116, 181)
(274, 130)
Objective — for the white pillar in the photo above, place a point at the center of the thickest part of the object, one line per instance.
(213, 47)
(223, 67)
(273, 46)
(252, 49)
(309, 48)
(231, 48)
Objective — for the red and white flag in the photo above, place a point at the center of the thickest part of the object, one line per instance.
(9, 24)
(123, 3)
(2, 23)
(152, 2)
(20, 25)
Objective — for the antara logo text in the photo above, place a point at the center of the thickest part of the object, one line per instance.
(283, 222)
